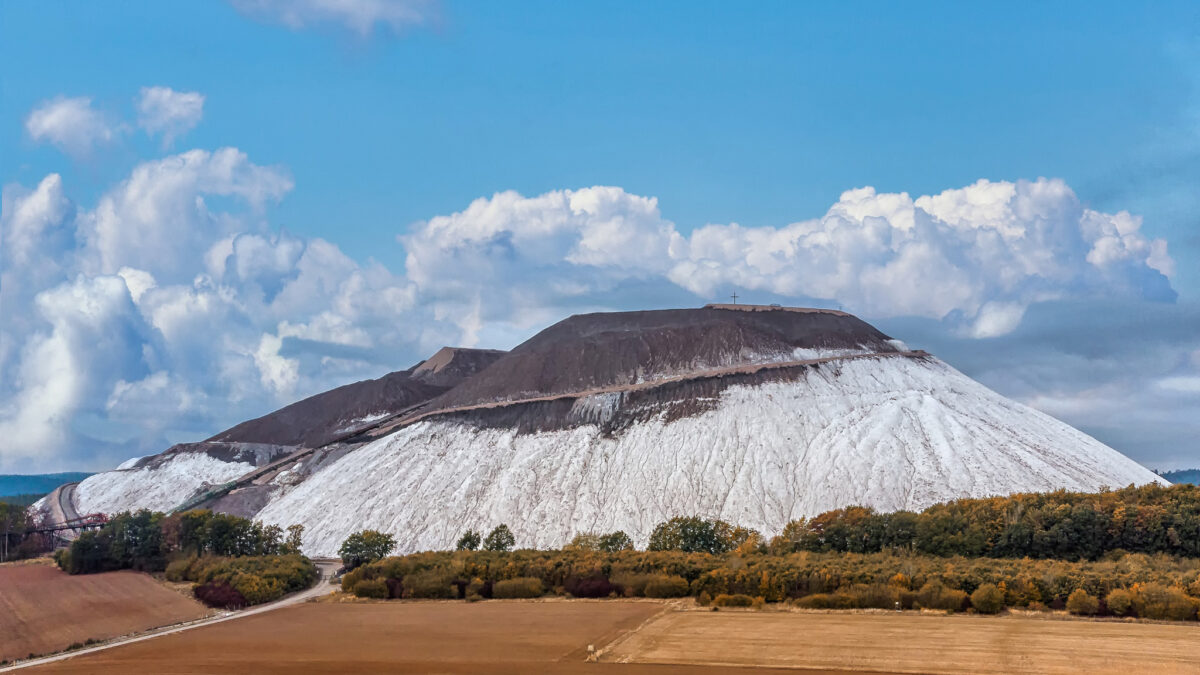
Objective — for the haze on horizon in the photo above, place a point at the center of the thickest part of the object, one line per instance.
(211, 210)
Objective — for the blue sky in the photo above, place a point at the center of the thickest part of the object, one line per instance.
(359, 126)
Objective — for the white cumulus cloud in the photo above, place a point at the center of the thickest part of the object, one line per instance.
(70, 124)
(162, 110)
(980, 254)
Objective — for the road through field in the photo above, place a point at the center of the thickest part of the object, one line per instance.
(326, 567)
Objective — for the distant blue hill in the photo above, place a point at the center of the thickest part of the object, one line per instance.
(38, 484)
(1183, 476)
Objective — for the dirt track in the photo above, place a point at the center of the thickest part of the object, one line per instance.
(43, 610)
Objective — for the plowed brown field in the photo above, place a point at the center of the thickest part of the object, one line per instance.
(43, 610)
(913, 643)
(494, 638)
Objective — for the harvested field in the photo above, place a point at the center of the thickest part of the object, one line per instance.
(500, 638)
(911, 643)
(44, 610)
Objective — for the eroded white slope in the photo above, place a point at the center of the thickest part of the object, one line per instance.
(892, 433)
(160, 486)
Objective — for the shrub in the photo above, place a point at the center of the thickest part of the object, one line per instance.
(371, 588)
(826, 601)
(666, 586)
(500, 539)
(521, 587)
(988, 599)
(1155, 601)
(219, 594)
(1118, 601)
(874, 596)
(430, 584)
(596, 586)
(256, 589)
(180, 568)
(933, 595)
(735, 600)
(349, 579)
(631, 585)
(1082, 603)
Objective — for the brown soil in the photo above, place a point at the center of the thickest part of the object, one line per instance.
(43, 610)
(321, 419)
(318, 420)
(590, 351)
(451, 365)
(496, 638)
(911, 643)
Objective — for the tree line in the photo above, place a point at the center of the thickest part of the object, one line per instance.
(147, 540)
(233, 562)
(1062, 525)
(1120, 584)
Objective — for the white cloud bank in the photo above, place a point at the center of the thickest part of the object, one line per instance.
(360, 16)
(170, 309)
(71, 125)
(979, 255)
(162, 110)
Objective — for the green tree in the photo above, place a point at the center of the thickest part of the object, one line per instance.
(468, 542)
(692, 534)
(614, 542)
(365, 547)
(294, 540)
(499, 539)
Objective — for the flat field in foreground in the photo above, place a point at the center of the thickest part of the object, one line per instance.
(911, 643)
(510, 637)
(500, 638)
(44, 610)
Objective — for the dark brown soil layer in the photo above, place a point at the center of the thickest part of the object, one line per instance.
(326, 417)
(590, 351)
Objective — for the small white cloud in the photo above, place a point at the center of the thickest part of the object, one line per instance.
(360, 16)
(997, 318)
(162, 110)
(277, 372)
(157, 219)
(71, 125)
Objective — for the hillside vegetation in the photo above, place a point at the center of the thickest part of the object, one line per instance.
(233, 562)
(1128, 552)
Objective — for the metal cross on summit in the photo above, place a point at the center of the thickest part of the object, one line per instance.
(735, 297)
